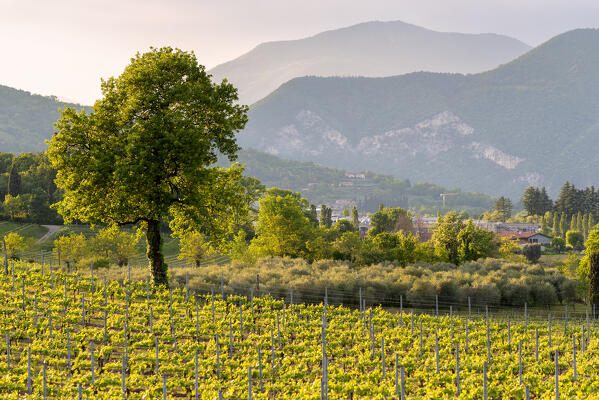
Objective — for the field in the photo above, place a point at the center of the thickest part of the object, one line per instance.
(111, 340)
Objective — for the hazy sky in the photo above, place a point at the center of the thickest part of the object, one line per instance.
(63, 47)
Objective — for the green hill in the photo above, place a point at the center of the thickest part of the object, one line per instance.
(26, 120)
(327, 185)
(533, 121)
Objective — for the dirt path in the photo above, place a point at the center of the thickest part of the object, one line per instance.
(52, 229)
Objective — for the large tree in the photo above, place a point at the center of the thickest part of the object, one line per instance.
(146, 152)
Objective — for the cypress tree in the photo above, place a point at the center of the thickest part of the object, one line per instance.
(591, 223)
(323, 215)
(579, 227)
(544, 227)
(556, 230)
(594, 278)
(355, 218)
(585, 226)
(573, 223)
(562, 226)
(14, 181)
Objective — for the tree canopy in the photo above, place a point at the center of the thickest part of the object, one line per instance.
(146, 152)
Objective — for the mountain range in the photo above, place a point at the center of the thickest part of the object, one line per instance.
(533, 121)
(372, 49)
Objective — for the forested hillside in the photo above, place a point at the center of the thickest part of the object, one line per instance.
(26, 120)
(533, 121)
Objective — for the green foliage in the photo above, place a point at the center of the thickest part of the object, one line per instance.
(558, 244)
(390, 220)
(147, 150)
(15, 245)
(503, 208)
(195, 247)
(532, 252)
(593, 259)
(475, 243)
(445, 237)
(536, 201)
(575, 240)
(355, 218)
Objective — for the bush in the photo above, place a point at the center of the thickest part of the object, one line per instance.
(532, 252)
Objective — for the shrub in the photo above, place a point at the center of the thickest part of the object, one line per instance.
(532, 252)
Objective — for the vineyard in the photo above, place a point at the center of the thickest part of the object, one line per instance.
(70, 336)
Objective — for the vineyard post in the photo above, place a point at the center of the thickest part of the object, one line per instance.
(105, 292)
(241, 319)
(13, 276)
(401, 310)
(212, 296)
(158, 359)
(51, 276)
(396, 374)
(437, 305)
(129, 273)
(164, 386)
(65, 289)
(250, 383)
(80, 390)
(556, 376)
(124, 378)
(588, 323)
(44, 367)
(222, 287)
(469, 309)
(230, 337)
(437, 351)
(50, 321)
(197, 320)
(451, 320)
(537, 344)
(525, 319)
(196, 375)
(260, 367)
(520, 361)
(283, 310)
(42, 257)
(92, 362)
(549, 330)
(216, 341)
(186, 288)
(360, 299)
(466, 349)
(272, 348)
(252, 300)
(383, 357)
(23, 290)
(278, 331)
(28, 369)
(574, 355)
(257, 283)
(412, 323)
(35, 307)
(403, 383)
(148, 289)
(593, 315)
(509, 335)
(68, 350)
(484, 381)
(420, 338)
(151, 321)
(5, 257)
(92, 276)
(488, 339)
(582, 337)
(220, 394)
(566, 321)
(457, 368)
(8, 351)
(105, 328)
(527, 392)
(291, 301)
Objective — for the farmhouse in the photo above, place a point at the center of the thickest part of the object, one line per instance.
(527, 237)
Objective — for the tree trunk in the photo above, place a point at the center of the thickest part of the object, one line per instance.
(154, 253)
(594, 278)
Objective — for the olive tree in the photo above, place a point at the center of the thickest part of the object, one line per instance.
(145, 153)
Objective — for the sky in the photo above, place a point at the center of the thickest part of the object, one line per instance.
(64, 47)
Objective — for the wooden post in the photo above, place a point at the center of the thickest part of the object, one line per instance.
(574, 355)
(401, 311)
(527, 392)
(509, 335)
(556, 377)
(250, 383)
(241, 319)
(92, 361)
(164, 386)
(8, 351)
(457, 368)
(451, 320)
(68, 350)
(45, 380)
(383, 357)
(525, 319)
(105, 328)
(157, 359)
(396, 375)
(403, 383)
(217, 357)
(437, 351)
(566, 321)
(484, 381)
(28, 369)
(520, 361)
(260, 367)
(537, 344)
(278, 331)
(35, 306)
(469, 309)
(212, 304)
(549, 330)
(360, 299)
(196, 376)
(466, 349)
(6, 258)
(124, 378)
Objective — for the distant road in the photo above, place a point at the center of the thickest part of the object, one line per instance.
(52, 229)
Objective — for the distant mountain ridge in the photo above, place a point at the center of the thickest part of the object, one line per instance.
(533, 121)
(373, 49)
